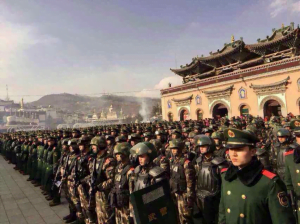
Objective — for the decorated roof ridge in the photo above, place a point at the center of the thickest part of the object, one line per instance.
(219, 90)
(281, 31)
(193, 64)
(274, 39)
(183, 99)
(233, 73)
(271, 84)
(227, 49)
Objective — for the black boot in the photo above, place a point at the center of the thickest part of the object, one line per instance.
(72, 218)
(70, 215)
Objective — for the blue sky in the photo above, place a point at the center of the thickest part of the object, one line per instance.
(95, 46)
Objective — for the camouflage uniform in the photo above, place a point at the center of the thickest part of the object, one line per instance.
(182, 182)
(119, 195)
(105, 168)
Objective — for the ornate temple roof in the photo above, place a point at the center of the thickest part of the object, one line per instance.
(283, 43)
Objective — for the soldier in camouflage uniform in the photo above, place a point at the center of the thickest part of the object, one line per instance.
(218, 137)
(182, 181)
(82, 171)
(161, 160)
(119, 195)
(105, 168)
(70, 187)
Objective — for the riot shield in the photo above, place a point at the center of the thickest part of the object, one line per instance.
(154, 204)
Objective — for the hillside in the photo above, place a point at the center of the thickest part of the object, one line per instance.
(86, 104)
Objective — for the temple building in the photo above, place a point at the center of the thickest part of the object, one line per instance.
(259, 79)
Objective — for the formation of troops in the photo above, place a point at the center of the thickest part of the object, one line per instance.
(227, 171)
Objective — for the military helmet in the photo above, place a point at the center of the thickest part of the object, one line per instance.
(135, 136)
(204, 140)
(176, 143)
(148, 134)
(191, 134)
(295, 125)
(282, 132)
(120, 139)
(144, 148)
(65, 141)
(99, 141)
(159, 132)
(84, 140)
(157, 143)
(122, 148)
(218, 135)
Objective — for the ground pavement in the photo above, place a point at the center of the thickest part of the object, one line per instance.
(21, 202)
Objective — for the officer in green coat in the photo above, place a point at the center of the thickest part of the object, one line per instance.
(249, 193)
(29, 160)
(292, 169)
(34, 159)
(40, 152)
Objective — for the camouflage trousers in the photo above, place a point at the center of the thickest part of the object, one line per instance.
(88, 209)
(75, 199)
(185, 214)
(122, 215)
(105, 214)
(65, 188)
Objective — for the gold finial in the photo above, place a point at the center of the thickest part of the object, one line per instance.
(282, 25)
(232, 38)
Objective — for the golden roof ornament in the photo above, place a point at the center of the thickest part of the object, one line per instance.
(232, 38)
(282, 25)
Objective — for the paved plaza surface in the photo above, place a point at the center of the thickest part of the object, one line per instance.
(21, 202)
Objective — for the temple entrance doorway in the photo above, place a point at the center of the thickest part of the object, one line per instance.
(244, 110)
(184, 114)
(199, 115)
(219, 111)
(272, 108)
(170, 116)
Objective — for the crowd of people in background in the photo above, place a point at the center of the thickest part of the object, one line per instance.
(227, 171)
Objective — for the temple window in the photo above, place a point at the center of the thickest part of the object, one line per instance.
(242, 93)
(169, 104)
(198, 100)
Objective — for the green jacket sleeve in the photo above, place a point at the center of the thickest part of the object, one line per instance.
(288, 178)
(278, 203)
(222, 218)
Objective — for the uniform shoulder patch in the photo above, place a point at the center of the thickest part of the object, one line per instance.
(268, 174)
(131, 169)
(283, 199)
(288, 153)
(224, 170)
(90, 158)
(227, 151)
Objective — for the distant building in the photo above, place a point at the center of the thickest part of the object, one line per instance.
(259, 79)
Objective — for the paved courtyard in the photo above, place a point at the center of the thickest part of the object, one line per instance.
(21, 202)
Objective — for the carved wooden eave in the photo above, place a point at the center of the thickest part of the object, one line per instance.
(183, 101)
(276, 87)
(220, 93)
